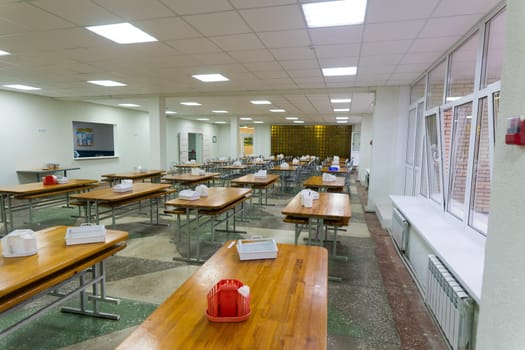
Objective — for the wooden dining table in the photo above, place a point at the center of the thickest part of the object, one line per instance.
(113, 200)
(218, 201)
(316, 181)
(34, 191)
(23, 279)
(257, 183)
(330, 206)
(189, 180)
(288, 302)
(153, 175)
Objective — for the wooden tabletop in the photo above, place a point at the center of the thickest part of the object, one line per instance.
(218, 197)
(317, 181)
(108, 195)
(53, 256)
(251, 179)
(189, 178)
(189, 165)
(234, 167)
(39, 187)
(342, 170)
(288, 305)
(45, 170)
(134, 175)
(328, 206)
(279, 168)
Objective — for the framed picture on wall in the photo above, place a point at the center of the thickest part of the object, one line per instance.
(214, 139)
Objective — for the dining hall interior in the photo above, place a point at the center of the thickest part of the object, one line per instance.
(365, 154)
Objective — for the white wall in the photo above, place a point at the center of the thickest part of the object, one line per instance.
(365, 152)
(502, 317)
(389, 121)
(37, 130)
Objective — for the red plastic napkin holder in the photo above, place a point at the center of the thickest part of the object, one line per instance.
(226, 304)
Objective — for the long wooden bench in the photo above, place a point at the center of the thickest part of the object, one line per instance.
(299, 223)
(214, 213)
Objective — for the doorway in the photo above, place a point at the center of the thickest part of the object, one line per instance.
(195, 147)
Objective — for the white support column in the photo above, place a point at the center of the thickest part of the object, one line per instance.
(234, 137)
(157, 133)
(502, 318)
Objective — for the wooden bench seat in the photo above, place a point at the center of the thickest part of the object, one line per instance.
(64, 191)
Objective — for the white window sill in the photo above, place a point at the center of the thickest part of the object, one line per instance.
(461, 250)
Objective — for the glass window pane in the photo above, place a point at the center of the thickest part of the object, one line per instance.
(433, 158)
(479, 202)
(419, 134)
(459, 161)
(423, 186)
(463, 69)
(447, 136)
(495, 106)
(417, 91)
(410, 137)
(436, 85)
(495, 48)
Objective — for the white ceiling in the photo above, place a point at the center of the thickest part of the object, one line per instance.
(263, 46)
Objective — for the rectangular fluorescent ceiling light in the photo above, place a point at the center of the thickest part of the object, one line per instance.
(122, 33)
(203, 119)
(278, 110)
(341, 118)
(245, 118)
(258, 122)
(341, 109)
(342, 121)
(341, 100)
(291, 118)
(191, 103)
(4, 53)
(220, 122)
(21, 87)
(298, 122)
(339, 71)
(106, 83)
(207, 78)
(219, 111)
(260, 102)
(334, 13)
(128, 105)
(171, 112)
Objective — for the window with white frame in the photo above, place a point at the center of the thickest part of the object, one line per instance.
(433, 158)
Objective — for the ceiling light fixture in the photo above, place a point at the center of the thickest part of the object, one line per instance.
(219, 111)
(203, 119)
(258, 122)
(106, 83)
(342, 121)
(277, 110)
(334, 13)
(341, 109)
(122, 33)
(170, 112)
(4, 53)
(191, 103)
(245, 118)
(128, 105)
(21, 87)
(341, 118)
(341, 100)
(339, 71)
(298, 121)
(291, 118)
(220, 122)
(260, 102)
(208, 78)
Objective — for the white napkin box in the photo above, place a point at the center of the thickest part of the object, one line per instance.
(19, 243)
(189, 195)
(202, 190)
(85, 233)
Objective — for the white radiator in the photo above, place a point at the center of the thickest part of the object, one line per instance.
(450, 304)
(399, 229)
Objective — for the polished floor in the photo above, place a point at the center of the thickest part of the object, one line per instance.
(375, 306)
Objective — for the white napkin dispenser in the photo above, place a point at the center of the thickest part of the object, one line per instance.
(19, 243)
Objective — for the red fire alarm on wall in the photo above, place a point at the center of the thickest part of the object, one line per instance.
(515, 131)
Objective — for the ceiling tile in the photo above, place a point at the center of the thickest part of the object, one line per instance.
(262, 66)
(32, 17)
(237, 42)
(80, 12)
(169, 28)
(380, 60)
(447, 26)
(438, 45)
(252, 56)
(336, 35)
(392, 31)
(274, 18)
(243, 4)
(338, 62)
(424, 57)
(221, 23)
(382, 47)
(330, 51)
(299, 64)
(305, 73)
(131, 9)
(193, 46)
(454, 8)
(188, 7)
(285, 38)
(293, 53)
(399, 10)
